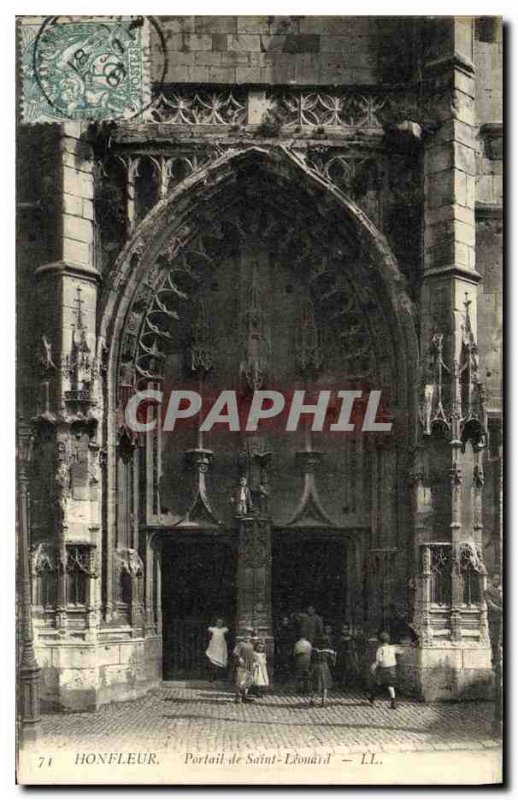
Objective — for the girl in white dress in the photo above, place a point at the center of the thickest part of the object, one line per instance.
(260, 669)
(217, 651)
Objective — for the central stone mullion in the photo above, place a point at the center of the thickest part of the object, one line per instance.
(254, 578)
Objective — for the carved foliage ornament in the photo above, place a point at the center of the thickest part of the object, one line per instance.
(469, 557)
(44, 558)
(128, 560)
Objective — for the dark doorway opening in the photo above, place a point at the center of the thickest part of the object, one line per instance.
(198, 585)
(309, 570)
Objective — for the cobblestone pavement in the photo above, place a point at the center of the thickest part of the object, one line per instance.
(181, 719)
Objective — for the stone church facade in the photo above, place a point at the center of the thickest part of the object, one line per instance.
(308, 202)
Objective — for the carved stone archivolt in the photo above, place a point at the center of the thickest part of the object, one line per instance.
(352, 171)
(335, 261)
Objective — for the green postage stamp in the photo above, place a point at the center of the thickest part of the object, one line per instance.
(82, 68)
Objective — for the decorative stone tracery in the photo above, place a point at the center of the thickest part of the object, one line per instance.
(351, 282)
(176, 275)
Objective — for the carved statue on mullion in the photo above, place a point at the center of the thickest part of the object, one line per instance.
(252, 493)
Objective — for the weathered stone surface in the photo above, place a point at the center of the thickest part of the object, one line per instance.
(347, 47)
(215, 24)
(77, 228)
(193, 42)
(476, 658)
(253, 24)
(77, 252)
(244, 42)
(77, 183)
(72, 204)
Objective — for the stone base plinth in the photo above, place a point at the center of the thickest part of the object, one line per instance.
(446, 672)
(82, 677)
(440, 672)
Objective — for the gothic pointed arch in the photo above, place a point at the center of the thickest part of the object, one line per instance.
(266, 194)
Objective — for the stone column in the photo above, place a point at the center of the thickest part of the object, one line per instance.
(65, 403)
(67, 298)
(254, 578)
(423, 591)
(448, 323)
(28, 670)
(450, 277)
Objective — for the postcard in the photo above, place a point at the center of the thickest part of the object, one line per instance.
(259, 400)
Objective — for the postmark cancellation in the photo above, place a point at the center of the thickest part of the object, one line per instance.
(82, 68)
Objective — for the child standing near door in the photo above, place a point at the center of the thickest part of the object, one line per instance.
(217, 651)
(260, 669)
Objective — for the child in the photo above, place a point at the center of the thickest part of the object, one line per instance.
(346, 657)
(302, 657)
(244, 653)
(260, 670)
(328, 634)
(284, 641)
(384, 669)
(217, 651)
(323, 657)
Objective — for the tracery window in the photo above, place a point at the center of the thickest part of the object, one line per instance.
(440, 567)
(44, 567)
(78, 570)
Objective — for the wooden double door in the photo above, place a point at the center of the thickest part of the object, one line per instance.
(198, 585)
(310, 569)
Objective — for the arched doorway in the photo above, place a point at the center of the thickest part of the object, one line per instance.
(253, 269)
(198, 586)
